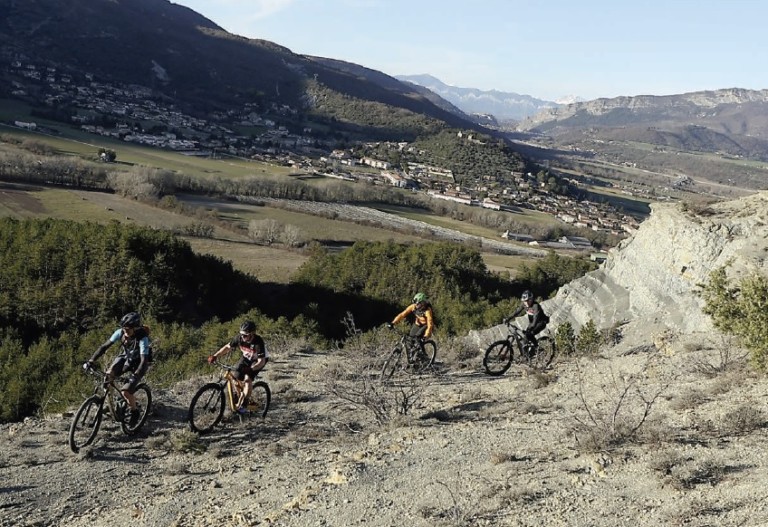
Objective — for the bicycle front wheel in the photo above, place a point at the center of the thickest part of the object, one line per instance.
(143, 403)
(425, 356)
(206, 408)
(261, 396)
(86, 423)
(498, 358)
(392, 364)
(544, 354)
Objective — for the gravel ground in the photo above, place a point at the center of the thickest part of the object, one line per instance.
(527, 448)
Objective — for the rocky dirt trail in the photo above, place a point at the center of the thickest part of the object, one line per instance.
(476, 450)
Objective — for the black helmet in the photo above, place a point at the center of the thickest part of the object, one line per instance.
(247, 327)
(130, 320)
(527, 295)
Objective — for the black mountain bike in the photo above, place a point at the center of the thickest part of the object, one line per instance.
(107, 399)
(516, 349)
(410, 353)
(207, 406)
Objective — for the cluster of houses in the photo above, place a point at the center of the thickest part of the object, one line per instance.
(125, 106)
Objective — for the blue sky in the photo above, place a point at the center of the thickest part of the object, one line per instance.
(546, 49)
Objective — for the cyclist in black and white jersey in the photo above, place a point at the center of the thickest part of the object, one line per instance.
(254, 358)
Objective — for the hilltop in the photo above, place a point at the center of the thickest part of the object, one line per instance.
(529, 448)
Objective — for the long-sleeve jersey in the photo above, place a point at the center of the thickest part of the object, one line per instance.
(535, 313)
(423, 317)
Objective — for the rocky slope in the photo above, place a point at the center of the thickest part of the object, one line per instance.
(645, 433)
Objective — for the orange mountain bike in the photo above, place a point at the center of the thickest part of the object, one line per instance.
(207, 406)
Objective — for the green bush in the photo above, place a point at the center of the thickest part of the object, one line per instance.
(565, 339)
(740, 310)
(589, 339)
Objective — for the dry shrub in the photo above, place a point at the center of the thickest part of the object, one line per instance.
(186, 441)
(457, 353)
(353, 375)
(741, 421)
(615, 413)
(290, 346)
(729, 357)
(688, 400)
(685, 472)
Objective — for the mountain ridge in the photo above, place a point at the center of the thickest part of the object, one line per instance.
(502, 105)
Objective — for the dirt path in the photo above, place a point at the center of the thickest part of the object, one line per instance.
(476, 450)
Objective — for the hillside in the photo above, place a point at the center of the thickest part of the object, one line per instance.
(176, 57)
(663, 427)
(719, 137)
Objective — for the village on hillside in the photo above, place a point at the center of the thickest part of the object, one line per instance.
(132, 114)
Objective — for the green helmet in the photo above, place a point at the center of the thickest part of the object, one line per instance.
(419, 297)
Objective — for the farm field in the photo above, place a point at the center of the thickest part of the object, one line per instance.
(267, 263)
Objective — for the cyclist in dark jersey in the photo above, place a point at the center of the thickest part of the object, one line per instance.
(135, 355)
(423, 324)
(537, 319)
(254, 358)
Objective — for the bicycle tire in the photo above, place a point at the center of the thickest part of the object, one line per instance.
(206, 408)
(425, 356)
(86, 423)
(498, 358)
(392, 364)
(545, 353)
(143, 397)
(261, 396)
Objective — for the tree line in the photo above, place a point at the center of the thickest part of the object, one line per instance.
(66, 284)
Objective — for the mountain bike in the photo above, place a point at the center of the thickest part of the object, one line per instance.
(207, 406)
(517, 349)
(107, 399)
(410, 353)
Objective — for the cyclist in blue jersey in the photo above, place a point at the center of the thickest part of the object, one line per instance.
(135, 356)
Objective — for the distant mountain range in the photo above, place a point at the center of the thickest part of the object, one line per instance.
(185, 62)
(503, 106)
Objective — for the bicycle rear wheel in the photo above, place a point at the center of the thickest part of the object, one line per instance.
(498, 358)
(206, 408)
(425, 356)
(544, 354)
(143, 397)
(392, 364)
(86, 423)
(261, 396)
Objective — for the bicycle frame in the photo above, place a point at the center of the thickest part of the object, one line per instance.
(207, 406)
(90, 415)
(515, 347)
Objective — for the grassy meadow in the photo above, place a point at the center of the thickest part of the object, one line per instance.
(275, 263)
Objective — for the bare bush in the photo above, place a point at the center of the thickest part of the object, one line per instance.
(353, 375)
(684, 472)
(266, 231)
(293, 236)
(729, 357)
(135, 184)
(614, 413)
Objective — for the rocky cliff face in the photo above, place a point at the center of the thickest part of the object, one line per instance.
(652, 277)
(649, 283)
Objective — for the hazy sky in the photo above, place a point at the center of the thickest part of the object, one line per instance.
(544, 48)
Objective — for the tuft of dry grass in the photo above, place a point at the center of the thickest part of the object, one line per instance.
(186, 441)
